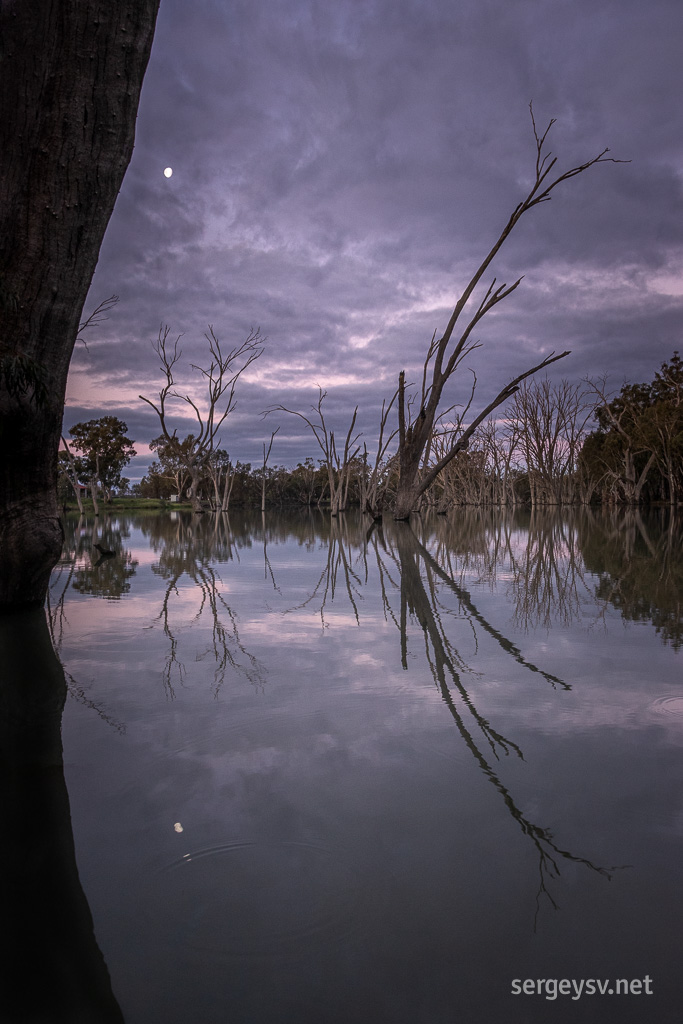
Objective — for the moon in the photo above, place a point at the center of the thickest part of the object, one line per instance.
(168, 171)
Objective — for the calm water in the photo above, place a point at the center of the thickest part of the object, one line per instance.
(321, 772)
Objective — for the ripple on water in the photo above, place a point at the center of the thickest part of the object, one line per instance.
(668, 704)
(256, 899)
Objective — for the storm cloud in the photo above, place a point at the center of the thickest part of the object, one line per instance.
(339, 170)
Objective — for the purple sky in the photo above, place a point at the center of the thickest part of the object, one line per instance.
(339, 170)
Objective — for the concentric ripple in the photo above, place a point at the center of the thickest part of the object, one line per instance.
(668, 705)
(256, 898)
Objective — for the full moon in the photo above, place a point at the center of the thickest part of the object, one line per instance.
(168, 171)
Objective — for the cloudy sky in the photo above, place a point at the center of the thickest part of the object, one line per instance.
(339, 171)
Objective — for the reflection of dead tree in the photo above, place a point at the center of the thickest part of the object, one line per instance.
(267, 567)
(421, 604)
(76, 691)
(60, 584)
(441, 654)
(468, 606)
(338, 560)
(548, 575)
(182, 557)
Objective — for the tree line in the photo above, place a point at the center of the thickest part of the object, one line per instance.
(558, 444)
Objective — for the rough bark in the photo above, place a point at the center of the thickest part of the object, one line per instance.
(70, 80)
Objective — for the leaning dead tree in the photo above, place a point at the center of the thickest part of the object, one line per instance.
(220, 380)
(446, 353)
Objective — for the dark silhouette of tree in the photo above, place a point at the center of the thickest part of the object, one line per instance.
(70, 80)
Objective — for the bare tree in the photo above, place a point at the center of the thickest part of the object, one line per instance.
(446, 354)
(550, 421)
(266, 456)
(374, 484)
(220, 380)
(338, 466)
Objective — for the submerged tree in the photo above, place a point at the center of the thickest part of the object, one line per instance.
(70, 80)
(445, 354)
(195, 452)
(337, 462)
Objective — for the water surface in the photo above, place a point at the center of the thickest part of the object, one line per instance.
(323, 771)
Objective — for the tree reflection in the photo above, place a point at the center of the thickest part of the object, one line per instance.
(188, 549)
(549, 582)
(638, 560)
(411, 580)
(418, 594)
(339, 567)
(84, 569)
(65, 575)
(54, 970)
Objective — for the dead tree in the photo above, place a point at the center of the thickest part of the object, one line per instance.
(446, 353)
(338, 467)
(550, 420)
(220, 380)
(374, 484)
(266, 456)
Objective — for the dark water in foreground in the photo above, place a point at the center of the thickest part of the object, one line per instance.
(324, 773)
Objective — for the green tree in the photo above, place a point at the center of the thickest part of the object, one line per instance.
(637, 449)
(105, 450)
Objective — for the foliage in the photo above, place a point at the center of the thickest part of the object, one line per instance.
(104, 451)
(636, 453)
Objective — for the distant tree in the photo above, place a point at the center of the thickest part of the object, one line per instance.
(222, 475)
(172, 462)
(70, 80)
(337, 461)
(305, 481)
(68, 473)
(549, 421)
(104, 451)
(220, 380)
(637, 450)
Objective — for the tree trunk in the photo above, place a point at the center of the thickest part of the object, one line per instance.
(70, 80)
